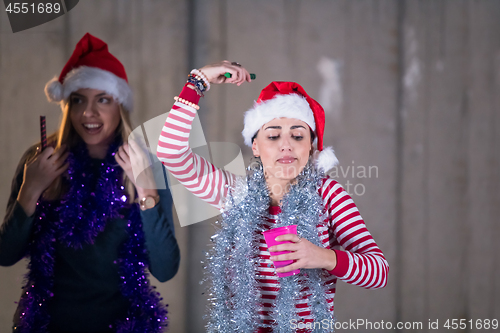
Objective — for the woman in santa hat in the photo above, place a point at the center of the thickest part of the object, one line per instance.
(286, 185)
(88, 226)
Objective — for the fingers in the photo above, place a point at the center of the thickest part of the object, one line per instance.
(288, 237)
(294, 255)
(126, 148)
(215, 73)
(132, 145)
(62, 169)
(136, 149)
(284, 247)
(247, 75)
(60, 161)
(305, 255)
(136, 155)
(235, 74)
(32, 158)
(122, 158)
(56, 160)
(54, 155)
(46, 153)
(243, 75)
(123, 151)
(240, 77)
(289, 268)
(120, 161)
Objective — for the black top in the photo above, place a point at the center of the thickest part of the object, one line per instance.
(87, 295)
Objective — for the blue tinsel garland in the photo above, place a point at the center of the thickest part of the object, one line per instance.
(76, 220)
(232, 263)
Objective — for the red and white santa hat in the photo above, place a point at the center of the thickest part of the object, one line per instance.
(91, 66)
(290, 100)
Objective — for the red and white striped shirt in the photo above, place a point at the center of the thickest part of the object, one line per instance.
(362, 263)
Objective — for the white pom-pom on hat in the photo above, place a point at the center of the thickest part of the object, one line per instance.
(325, 159)
(54, 90)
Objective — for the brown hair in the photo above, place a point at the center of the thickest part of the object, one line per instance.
(66, 134)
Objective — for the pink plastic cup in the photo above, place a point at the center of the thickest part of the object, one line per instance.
(270, 236)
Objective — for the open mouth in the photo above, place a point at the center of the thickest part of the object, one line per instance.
(92, 128)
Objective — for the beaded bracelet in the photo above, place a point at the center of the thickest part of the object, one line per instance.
(202, 76)
(197, 82)
(183, 101)
(195, 86)
(198, 78)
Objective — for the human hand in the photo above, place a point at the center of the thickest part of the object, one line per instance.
(215, 73)
(133, 160)
(41, 170)
(304, 253)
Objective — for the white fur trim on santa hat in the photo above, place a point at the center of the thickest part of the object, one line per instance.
(54, 90)
(281, 106)
(93, 78)
(325, 159)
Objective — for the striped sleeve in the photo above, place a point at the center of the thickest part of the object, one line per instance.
(362, 263)
(198, 175)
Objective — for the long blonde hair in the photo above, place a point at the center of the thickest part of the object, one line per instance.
(66, 134)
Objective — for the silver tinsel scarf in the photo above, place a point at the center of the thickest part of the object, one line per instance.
(232, 263)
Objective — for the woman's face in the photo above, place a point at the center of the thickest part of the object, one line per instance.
(95, 116)
(283, 145)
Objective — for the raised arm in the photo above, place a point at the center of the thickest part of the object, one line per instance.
(198, 175)
(34, 174)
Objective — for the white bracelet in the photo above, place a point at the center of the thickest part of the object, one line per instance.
(186, 102)
(203, 77)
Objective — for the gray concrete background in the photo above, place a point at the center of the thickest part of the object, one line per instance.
(410, 87)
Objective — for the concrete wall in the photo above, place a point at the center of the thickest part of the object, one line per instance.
(410, 88)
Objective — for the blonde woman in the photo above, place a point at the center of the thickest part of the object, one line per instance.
(76, 210)
(286, 185)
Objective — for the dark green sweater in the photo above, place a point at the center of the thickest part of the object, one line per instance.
(87, 295)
